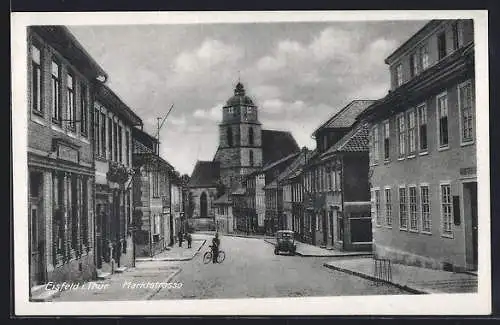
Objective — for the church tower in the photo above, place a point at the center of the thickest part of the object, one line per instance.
(240, 139)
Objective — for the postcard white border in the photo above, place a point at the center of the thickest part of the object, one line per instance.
(436, 304)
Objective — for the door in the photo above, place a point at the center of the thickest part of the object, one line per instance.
(473, 196)
(332, 235)
(36, 232)
(325, 227)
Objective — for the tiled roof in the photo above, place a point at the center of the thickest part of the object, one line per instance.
(205, 174)
(278, 162)
(355, 141)
(294, 165)
(346, 117)
(277, 145)
(224, 199)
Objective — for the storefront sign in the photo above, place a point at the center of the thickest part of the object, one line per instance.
(67, 153)
(468, 171)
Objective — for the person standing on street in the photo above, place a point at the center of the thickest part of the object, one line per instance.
(188, 238)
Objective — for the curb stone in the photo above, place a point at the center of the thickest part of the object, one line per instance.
(372, 278)
(170, 277)
(171, 259)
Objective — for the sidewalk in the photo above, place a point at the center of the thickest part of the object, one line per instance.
(241, 235)
(410, 278)
(307, 250)
(139, 283)
(176, 253)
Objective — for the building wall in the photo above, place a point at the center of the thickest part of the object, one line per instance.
(355, 177)
(430, 40)
(260, 199)
(211, 193)
(431, 168)
(75, 157)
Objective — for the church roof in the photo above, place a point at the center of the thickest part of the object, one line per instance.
(239, 97)
(205, 174)
(277, 145)
(346, 117)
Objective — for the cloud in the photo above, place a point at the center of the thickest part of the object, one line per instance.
(277, 105)
(214, 113)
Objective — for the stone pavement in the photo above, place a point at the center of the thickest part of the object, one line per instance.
(139, 283)
(307, 250)
(411, 278)
(176, 253)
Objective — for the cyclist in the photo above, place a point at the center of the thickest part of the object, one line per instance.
(215, 247)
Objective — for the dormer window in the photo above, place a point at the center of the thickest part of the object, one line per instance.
(399, 74)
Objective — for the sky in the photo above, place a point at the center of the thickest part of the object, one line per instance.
(299, 74)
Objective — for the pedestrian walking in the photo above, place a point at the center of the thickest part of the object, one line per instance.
(189, 239)
(180, 238)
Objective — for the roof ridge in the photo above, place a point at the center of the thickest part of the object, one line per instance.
(343, 109)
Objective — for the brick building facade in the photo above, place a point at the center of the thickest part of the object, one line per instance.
(61, 83)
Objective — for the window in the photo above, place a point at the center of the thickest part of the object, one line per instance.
(110, 138)
(386, 140)
(412, 193)
(120, 144)
(127, 147)
(412, 132)
(36, 79)
(401, 135)
(115, 140)
(446, 209)
(424, 57)
(56, 90)
(85, 208)
(422, 127)
(442, 107)
(156, 184)
(375, 144)
(441, 45)
(103, 135)
(388, 207)
(399, 75)
(425, 208)
(378, 216)
(97, 114)
(230, 110)
(403, 211)
(250, 136)
(229, 135)
(83, 110)
(251, 157)
(414, 60)
(71, 108)
(465, 105)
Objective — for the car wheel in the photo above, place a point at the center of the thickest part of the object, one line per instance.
(275, 251)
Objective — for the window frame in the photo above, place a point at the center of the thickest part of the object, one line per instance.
(422, 151)
(424, 57)
(102, 136)
(38, 66)
(445, 234)
(401, 134)
(376, 206)
(55, 84)
(438, 37)
(415, 205)
(414, 63)
(403, 204)
(387, 137)
(84, 110)
(438, 122)
(399, 74)
(388, 207)
(428, 213)
(411, 153)
(70, 101)
(376, 144)
(460, 86)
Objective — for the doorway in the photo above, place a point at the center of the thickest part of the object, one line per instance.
(470, 212)
(203, 205)
(36, 231)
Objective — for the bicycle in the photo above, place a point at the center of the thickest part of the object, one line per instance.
(207, 257)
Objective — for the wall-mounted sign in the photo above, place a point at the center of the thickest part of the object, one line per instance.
(467, 171)
(66, 151)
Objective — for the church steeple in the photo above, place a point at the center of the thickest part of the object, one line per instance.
(239, 90)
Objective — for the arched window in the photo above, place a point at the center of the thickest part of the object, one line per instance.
(203, 205)
(229, 134)
(250, 136)
(251, 158)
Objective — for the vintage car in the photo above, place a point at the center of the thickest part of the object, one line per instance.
(285, 242)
